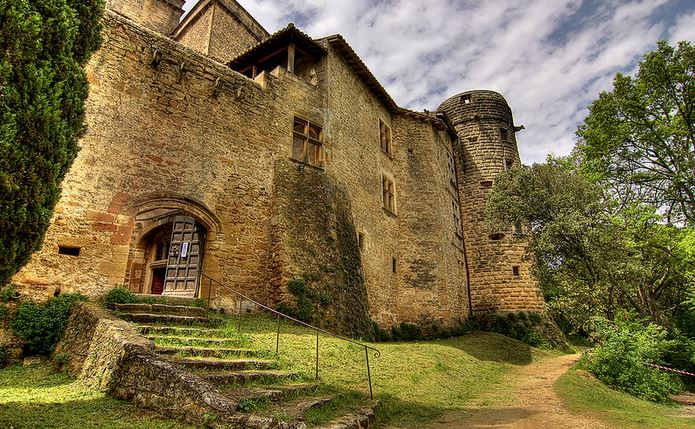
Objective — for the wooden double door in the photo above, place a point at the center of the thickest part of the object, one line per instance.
(182, 275)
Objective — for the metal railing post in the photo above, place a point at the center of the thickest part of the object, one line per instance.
(238, 323)
(209, 291)
(369, 373)
(277, 337)
(317, 354)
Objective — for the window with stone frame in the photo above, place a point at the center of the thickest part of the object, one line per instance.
(385, 137)
(388, 194)
(456, 209)
(307, 142)
(451, 166)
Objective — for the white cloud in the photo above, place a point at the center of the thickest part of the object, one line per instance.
(549, 59)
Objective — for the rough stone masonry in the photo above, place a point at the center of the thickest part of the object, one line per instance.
(217, 151)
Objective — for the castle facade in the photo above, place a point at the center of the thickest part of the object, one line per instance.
(217, 152)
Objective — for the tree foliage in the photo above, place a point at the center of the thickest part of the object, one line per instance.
(43, 46)
(593, 256)
(640, 137)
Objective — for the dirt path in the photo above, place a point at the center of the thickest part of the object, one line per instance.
(531, 402)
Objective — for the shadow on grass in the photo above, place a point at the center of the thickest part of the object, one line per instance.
(393, 411)
(32, 377)
(483, 346)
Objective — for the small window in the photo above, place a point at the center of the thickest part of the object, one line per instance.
(307, 142)
(385, 137)
(162, 251)
(518, 228)
(504, 134)
(388, 194)
(457, 216)
(360, 241)
(515, 271)
(466, 99)
(496, 236)
(452, 167)
(486, 184)
(508, 163)
(393, 265)
(69, 250)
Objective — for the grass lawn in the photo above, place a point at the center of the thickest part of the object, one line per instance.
(36, 397)
(619, 410)
(415, 382)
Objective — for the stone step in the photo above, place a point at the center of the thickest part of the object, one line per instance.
(358, 419)
(178, 310)
(193, 341)
(165, 318)
(298, 407)
(269, 392)
(180, 331)
(223, 364)
(220, 353)
(168, 299)
(245, 376)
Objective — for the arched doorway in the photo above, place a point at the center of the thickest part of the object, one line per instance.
(169, 255)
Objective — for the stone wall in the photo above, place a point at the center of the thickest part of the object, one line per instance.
(107, 353)
(500, 277)
(164, 135)
(158, 15)
(221, 29)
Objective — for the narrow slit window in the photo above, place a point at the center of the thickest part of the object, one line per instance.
(388, 194)
(508, 164)
(515, 271)
(394, 265)
(466, 99)
(360, 241)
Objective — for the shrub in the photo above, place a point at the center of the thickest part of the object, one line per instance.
(41, 325)
(624, 348)
(8, 293)
(4, 312)
(4, 354)
(120, 295)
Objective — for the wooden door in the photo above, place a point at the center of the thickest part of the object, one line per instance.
(185, 254)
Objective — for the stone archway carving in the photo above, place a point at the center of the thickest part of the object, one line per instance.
(169, 243)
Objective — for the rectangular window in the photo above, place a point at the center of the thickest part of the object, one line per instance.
(457, 216)
(69, 250)
(388, 194)
(307, 140)
(515, 270)
(451, 166)
(508, 163)
(385, 137)
(360, 241)
(393, 265)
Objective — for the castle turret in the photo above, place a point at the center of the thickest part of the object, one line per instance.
(499, 278)
(159, 15)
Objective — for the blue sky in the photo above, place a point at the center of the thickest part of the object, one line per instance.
(549, 58)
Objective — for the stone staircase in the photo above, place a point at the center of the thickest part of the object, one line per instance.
(262, 394)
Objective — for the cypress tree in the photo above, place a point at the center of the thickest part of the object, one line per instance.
(44, 45)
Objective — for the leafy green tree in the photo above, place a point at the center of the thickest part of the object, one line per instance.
(43, 46)
(592, 256)
(640, 137)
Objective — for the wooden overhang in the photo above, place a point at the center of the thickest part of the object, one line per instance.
(289, 40)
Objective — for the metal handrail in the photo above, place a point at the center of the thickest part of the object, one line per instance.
(318, 330)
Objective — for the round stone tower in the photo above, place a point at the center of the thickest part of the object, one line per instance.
(498, 276)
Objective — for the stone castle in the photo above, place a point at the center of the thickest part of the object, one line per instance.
(217, 152)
